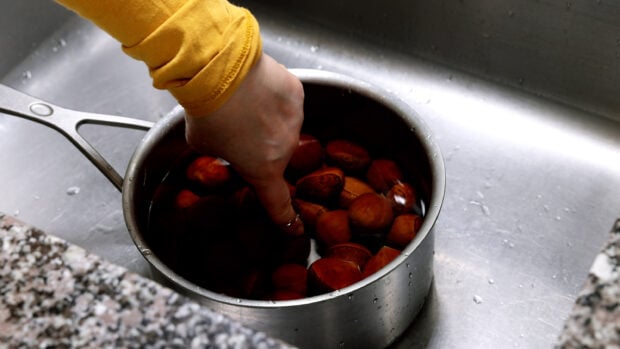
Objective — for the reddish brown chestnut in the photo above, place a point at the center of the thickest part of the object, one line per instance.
(403, 197)
(329, 274)
(384, 256)
(370, 213)
(347, 155)
(308, 211)
(383, 174)
(350, 251)
(307, 157)
(332, 227)
(403, 230)
(321, 185)
(209, 171)
(291, 277)
(353, 187)
(185, 198)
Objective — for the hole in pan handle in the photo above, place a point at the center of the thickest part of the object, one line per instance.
(67, 122)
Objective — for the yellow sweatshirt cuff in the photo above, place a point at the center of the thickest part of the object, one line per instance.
(199, 50)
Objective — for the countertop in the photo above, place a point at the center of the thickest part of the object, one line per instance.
(56, 294)
(594, 321)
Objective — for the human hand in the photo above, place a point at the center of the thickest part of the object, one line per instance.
(257, 130)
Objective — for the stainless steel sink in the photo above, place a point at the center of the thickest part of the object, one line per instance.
(522, 97)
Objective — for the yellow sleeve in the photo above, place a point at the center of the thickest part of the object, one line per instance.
(199, 50)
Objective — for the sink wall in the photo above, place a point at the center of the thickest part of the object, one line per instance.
(566, 50)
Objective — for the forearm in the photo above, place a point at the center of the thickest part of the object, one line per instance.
(200, 50)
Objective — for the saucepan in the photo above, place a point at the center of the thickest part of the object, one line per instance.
(371, 313)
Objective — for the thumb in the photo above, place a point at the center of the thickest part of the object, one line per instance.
(275, 196)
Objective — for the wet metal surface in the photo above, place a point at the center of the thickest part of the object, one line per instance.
(533, 185)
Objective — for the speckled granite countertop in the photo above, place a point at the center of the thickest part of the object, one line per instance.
(595, 318)
(56, 295)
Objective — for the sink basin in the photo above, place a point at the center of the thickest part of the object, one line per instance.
(521, 97)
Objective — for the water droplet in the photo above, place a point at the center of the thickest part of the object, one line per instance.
(314, 48)
(239, 300)
(521, 81)
(16, 213)
(73, 191)
(350, 296)
(62, 42)
(485, 210)
(375, 300)
(546, 208)
(411, 275)
(27, 75)
(491, 281)
(558, 218)
(554, 276)
(341, 344)
(477, 299)
(146, 251)
(37, 197)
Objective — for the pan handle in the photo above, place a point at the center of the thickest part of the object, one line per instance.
(67, 122)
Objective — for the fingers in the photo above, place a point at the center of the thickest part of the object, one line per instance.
(275, 197)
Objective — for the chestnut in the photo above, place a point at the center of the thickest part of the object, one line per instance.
(383, 174)
(185, 198)
(370, 213)
(350, 251)
(211, 172)
(353, 187)
(403, 197)
(329, 274)
(307, 157)
(291, 277)
(347, 155)
(309, 212)
(384, 256)
(403, 230)
(332, 227)
(321, 185)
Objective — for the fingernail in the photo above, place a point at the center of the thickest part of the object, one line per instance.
(294, 227)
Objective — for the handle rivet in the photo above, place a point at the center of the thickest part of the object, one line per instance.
(41, 109)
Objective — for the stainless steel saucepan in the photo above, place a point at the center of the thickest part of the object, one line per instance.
(369, 314)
